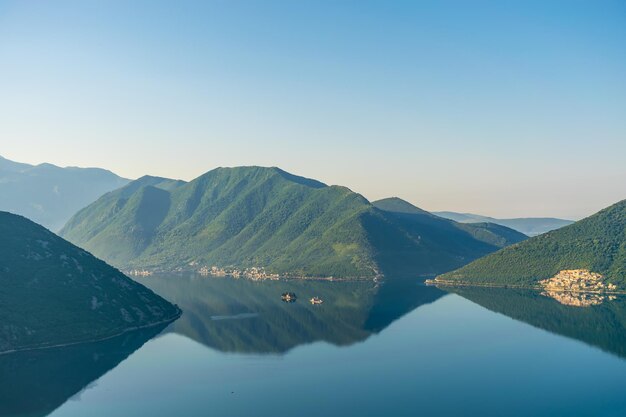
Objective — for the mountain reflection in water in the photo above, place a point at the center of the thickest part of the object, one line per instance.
(578, 299)
(34, 383)
(601, 324)
(239, 315)
(233, 315)
(250, 319)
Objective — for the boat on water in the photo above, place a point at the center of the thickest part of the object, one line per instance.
(316, 300)
(288, 297)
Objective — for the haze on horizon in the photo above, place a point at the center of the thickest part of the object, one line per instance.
(506, 109)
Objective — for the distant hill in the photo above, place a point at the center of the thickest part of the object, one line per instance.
(530, 226)
(50, 195)
(597, 243)
(254, 216)
(450, 233)
(53, 293)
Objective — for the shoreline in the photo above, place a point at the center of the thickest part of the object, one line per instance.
(280, 278)
(377, 278)
(129, 330)
(436, 283)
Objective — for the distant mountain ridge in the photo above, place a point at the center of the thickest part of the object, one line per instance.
(596, 243)
(53, 293)
(266, 217)
(418, 220)
(530, 226)
(50, 195)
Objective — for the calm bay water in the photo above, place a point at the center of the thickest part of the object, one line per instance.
(398, 349)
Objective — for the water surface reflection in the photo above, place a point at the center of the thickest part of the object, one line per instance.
(239, 315)
(34, 383)
(601, 324)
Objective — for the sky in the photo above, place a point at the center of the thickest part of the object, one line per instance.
(502, 108)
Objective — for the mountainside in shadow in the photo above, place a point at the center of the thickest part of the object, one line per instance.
(54, 293)
(50, 195)
(265, 217)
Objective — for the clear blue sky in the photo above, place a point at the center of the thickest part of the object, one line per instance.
(496, 107)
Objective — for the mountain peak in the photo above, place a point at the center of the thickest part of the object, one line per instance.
(149, 180)
(258, 173)
(12, 166)
(300, 180)
(398, 205)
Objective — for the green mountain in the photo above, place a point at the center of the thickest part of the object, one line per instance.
(398, 205)
(54, 293)
(50, 195)
(597, 243)
(530, 226)
(254, 216)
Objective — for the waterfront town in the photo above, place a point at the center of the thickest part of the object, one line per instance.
(578, 288)
(139, 273)
(577, 280)
(254, 273)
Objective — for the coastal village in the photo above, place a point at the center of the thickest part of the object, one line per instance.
(578, 288)
(577, 280)
(572, 287)
(254, 273)
(140, 273)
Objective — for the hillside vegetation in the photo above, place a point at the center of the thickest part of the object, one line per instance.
(597, 243)
(54, 293)
(254, 216)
